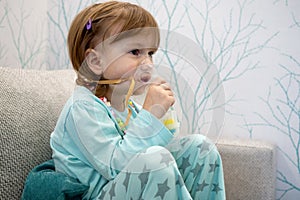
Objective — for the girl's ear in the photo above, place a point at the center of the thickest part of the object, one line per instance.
(93, 60)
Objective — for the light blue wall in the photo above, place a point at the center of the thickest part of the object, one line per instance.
(252, 45)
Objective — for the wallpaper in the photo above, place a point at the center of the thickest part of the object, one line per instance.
(234, 65)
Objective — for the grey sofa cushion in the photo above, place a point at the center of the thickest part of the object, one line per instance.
(249, 169)
(30, 102)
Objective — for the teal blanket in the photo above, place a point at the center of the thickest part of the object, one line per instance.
(44, 183)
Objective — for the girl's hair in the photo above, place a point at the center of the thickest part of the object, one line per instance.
(98, 22)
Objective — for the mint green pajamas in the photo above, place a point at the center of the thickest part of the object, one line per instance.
(145, 163)
(194, 172)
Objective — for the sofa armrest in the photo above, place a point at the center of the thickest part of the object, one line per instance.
(249, 169)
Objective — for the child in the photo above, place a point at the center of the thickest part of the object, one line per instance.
(106, 141)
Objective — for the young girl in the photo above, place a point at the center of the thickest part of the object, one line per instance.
(108, 142)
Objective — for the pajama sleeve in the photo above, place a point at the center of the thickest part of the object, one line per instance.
(97, 138)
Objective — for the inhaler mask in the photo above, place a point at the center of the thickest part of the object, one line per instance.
(145, 73)
(144, 76)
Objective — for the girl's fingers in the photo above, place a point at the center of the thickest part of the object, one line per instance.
(165, 86)
(158, 81)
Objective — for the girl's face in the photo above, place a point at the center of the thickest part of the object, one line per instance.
(122, 59)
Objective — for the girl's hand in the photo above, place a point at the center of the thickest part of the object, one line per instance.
(159, 98)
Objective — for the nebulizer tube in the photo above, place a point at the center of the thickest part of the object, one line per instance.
(146, 75)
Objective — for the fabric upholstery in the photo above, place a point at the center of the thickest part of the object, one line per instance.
(31, 101)
(249, 169)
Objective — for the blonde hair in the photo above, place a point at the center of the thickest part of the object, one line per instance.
(103, 18)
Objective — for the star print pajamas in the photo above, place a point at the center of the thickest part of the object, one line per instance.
(146, 163)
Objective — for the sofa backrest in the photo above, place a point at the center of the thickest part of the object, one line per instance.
(30, 102)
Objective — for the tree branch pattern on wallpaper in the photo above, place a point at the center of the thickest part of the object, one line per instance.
(28, 44)
(285, 120)
(2, 46)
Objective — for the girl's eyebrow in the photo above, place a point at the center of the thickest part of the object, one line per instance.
(138, 45)
(130, 42)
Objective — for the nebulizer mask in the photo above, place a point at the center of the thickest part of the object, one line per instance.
(144, 76)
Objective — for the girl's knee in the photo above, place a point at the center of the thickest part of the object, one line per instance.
(152, 159)
(201, 144)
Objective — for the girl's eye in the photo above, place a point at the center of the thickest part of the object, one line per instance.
(151, 53)
(135, 52)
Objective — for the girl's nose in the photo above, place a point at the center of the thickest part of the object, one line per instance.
(147, 60)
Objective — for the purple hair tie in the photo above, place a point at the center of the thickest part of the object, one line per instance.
(89, 24)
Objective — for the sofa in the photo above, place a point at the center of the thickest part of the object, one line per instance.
(31, 101)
